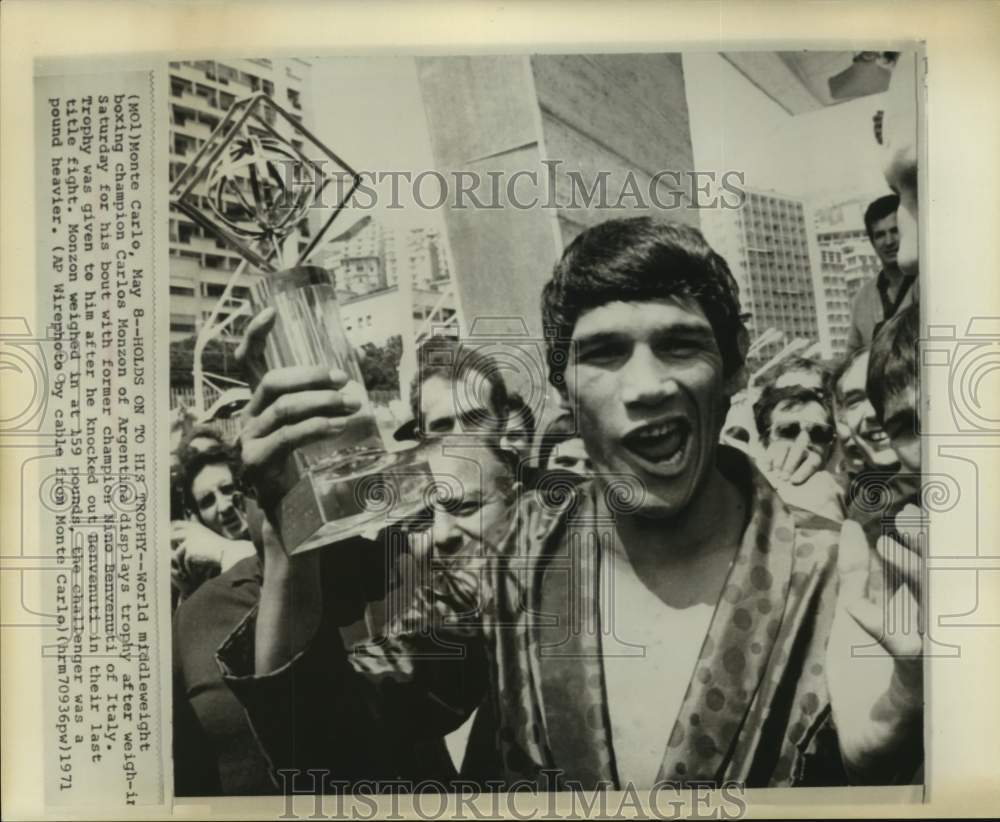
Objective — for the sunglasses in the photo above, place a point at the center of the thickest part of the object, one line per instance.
(818, 434)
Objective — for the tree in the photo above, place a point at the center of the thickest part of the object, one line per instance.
(380, 365)
(217, 358)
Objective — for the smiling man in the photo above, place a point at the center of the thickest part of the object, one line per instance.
(863, 439)
(893, 288)
(667, 620)
(892, 381)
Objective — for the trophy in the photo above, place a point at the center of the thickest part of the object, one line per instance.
(253, 187)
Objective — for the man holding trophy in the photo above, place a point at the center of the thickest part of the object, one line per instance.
(669, 620)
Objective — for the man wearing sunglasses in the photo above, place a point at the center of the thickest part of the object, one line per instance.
(802, 419)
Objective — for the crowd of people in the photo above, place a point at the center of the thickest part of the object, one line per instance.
(318, 672)
(639, 588)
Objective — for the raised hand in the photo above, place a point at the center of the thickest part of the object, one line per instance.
(874, 655)
(290, 407)
(790, 462)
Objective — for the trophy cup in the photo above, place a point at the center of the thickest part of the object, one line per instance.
(253, 187)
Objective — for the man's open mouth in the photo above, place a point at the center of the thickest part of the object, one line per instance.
(661, 445)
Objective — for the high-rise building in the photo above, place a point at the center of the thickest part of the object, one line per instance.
(848, 261)
(391, 280)
(201, 92)
(415, 313)
(767, 244)
(371, 256)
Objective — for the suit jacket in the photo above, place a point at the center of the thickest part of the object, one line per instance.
(522, 628)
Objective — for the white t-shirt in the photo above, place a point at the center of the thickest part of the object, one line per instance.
(645, 692)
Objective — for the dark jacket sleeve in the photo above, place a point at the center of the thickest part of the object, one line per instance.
(195, 770)
(357, 712)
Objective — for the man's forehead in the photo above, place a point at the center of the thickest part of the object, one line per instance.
(799, 376)
(853, 379)
(214, 473)
(889, 221)
(468, 391)
(622, 317)
(800, 409)
(469, 470)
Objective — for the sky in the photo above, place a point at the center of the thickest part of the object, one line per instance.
(369, 111)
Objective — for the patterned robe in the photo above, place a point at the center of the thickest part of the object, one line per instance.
(523, 627)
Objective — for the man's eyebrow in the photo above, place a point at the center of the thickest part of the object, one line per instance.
(685, 330)
(688, 331)
(598, 337)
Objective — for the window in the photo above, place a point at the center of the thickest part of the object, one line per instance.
(212, 289)
(181, 291)
(182, 323)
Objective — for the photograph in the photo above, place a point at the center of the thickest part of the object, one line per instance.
(546, 421)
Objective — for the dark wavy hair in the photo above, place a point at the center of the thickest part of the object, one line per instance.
(880, 209)
(641, 259)
(196, 461)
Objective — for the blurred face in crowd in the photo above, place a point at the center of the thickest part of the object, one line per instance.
(571, 455)
(805, 424)
(218, 501)
(449, 406)
(648, 388)
(902, 427)
(855, 412)
(472, 506)
(885, 240)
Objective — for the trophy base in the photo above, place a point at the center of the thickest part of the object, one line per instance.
(327, 506)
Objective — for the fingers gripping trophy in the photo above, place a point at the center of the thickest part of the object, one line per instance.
(252, 187)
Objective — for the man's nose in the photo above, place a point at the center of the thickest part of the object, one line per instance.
(803, 440)
(644, 381)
